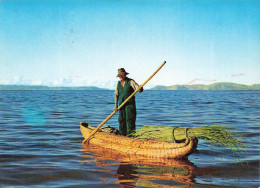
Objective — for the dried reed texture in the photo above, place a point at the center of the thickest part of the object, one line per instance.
(215, 134)
(140, 147)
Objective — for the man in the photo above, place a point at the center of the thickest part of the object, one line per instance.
(127, 114)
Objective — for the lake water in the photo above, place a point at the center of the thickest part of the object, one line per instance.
(41, 140)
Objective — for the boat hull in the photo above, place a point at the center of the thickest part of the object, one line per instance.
(139, 147)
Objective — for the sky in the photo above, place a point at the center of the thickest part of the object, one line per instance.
(84, 42)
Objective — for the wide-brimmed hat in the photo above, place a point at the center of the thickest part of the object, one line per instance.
(122, 71)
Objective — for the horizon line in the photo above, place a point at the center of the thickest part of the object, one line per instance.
(42, 85)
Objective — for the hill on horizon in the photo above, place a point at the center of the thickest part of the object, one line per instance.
(35, 87)
(215, 86)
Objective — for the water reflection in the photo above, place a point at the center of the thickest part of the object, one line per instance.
(142, 172)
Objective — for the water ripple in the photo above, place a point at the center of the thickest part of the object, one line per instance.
(41, 141)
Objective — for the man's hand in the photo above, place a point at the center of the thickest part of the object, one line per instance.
(141, 89)
(115, 109)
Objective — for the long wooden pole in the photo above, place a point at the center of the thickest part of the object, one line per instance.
(86, 139)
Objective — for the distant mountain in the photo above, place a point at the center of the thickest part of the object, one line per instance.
(31, 87)
(215, 86)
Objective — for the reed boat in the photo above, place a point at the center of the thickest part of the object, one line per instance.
(139, 147)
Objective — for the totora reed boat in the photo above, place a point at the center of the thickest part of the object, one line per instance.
(138, 147)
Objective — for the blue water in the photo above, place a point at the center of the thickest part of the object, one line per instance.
(41, 141)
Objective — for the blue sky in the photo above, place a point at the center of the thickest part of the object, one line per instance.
(83, 43)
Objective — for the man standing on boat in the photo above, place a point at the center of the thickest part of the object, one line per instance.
(127, 114)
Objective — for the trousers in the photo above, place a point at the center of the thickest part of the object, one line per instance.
(127, 118)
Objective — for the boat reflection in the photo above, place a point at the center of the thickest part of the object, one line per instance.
(143, 172)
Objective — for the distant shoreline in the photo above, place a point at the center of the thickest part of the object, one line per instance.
(45, 88)
(215, 86)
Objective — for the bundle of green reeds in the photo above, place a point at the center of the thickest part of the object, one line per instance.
(219, 135)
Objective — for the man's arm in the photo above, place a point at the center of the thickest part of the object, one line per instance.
(135, 86)
(116, 98)
(116, 103)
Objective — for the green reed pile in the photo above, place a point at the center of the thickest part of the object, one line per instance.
(218, 135)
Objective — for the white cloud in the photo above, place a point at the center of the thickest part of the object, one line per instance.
(17, 80)
(4, 82)
(61, 82)
(110, 84)
(70, 82)
(37, 82)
